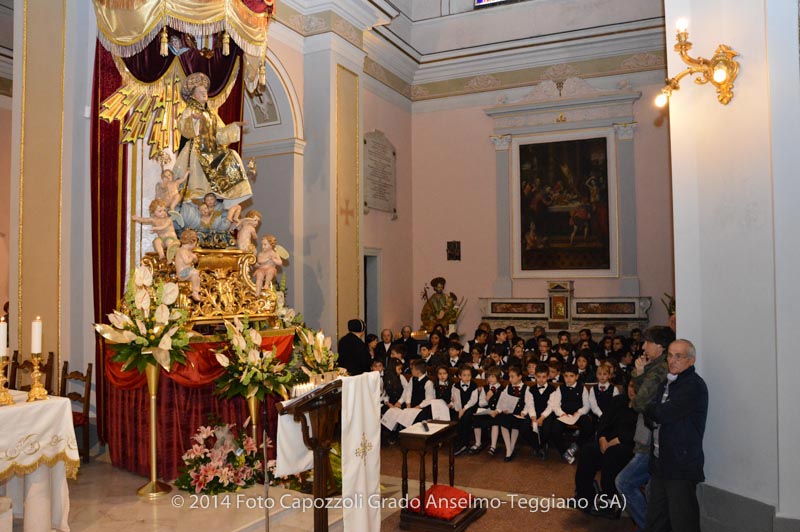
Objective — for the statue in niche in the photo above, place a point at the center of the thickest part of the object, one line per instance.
(210, 165)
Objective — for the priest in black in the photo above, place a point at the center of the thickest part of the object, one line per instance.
(353, 352)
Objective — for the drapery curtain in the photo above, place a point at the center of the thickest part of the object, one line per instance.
(185, 400)
(128, 26)
(109, 188)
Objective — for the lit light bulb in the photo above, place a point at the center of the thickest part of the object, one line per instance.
(720, 74)
(662, 99)
(682, 24)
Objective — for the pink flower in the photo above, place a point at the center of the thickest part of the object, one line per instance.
(197, 451)
(202, 434)
(225, 475)
(198, 481)
(209, 471)
(249, 445)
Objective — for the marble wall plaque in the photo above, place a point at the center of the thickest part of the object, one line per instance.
(380, 173)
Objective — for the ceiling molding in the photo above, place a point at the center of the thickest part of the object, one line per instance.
(363, 14)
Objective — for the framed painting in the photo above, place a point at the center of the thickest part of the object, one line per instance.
(564, 205)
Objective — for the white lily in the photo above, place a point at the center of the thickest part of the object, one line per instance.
(113, 335)
(238, 324)
(166, 342)
(143, 276)
(162, 357)
(254, 356)
(222, 359)
(170, 293)
(238, 341)
(162, 314)
(143, 299)
(255, 336)
(116, 321)
(290, 314)
(142, 329)
(174, 315)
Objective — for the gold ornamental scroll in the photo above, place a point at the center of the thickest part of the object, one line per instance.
(348, 258)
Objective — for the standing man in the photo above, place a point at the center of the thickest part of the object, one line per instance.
(353, 352)
(649, 373)
(409, 343)
(676, 462)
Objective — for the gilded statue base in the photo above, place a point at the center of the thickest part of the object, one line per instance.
(227, 290)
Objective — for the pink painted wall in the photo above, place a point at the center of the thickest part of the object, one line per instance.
(392, 237)
(5, 206)
(454, 198)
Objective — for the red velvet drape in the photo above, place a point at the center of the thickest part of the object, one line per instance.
(109, 190)
(185, 400)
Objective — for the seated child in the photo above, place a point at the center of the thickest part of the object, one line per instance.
(394, 384)
(554, 372)
(600, 396)
(530, 375)
(377, 365)
(517, 356)
(572, 399)
(488, 398)
(444, 385)
(566, 353)
(463, 406)
(516, 417)
(476, 355)
(545, 397)
(398, 352)
(415, 403)
(455, 353)
(584, 364)
(496, 355)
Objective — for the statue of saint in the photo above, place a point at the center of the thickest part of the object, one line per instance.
(438, 308)
(211, 166)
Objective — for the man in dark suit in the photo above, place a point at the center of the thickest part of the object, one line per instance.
(679, 410)
(408, 342)
(384, 344)
(353, 352)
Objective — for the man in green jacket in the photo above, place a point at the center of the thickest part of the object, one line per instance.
(650, 371)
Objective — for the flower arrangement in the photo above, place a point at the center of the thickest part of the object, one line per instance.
(149, 329)
(249, 371)
(288, 316)
(221, 459)
(314, 348)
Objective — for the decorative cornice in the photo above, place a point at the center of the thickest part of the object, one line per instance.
(272, 148)
(387, 77)
(501, 142)
(625, 131)
(361, 14)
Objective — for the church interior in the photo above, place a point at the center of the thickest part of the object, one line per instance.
(295, 263)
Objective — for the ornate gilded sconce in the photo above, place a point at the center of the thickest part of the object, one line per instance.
(721, 70)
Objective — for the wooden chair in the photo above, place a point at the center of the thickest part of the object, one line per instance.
(26, 368)
(81, 418)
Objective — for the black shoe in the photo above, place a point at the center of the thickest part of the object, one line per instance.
(492, 451)
(475, 449)
(461, 450)
(508, 458)
(542, 454)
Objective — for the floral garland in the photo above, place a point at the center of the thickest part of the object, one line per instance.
(149, 329)
(222, 459)
(250, 371)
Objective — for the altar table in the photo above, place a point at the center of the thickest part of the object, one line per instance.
(38, 451)
(185, 400)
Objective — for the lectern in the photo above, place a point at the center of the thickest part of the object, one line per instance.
(319, 432)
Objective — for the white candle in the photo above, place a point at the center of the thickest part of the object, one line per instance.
(682, 24)
(36, 336)
(3, 337)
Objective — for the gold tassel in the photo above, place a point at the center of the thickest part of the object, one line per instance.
(262, 74)
(226, 43)
(164, 43)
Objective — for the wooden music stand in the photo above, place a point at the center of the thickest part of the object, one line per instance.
(319, 432)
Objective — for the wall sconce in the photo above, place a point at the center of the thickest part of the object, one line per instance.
(721, 70)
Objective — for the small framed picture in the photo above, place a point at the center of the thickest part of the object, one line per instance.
(454, 250)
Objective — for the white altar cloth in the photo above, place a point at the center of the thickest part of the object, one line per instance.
(38, 451)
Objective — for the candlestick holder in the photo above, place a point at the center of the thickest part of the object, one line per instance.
(5, 396)
(37, 391)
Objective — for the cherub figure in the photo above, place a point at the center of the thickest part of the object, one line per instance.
(247, 231)
(216, 206)
(207, 216)
(166, 241)
(185, 260)
(267, 262)
(168, 190)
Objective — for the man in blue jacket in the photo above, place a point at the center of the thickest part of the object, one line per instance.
(676, 462)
